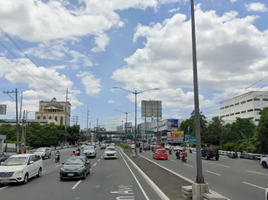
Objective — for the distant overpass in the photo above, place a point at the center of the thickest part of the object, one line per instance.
(103, 135)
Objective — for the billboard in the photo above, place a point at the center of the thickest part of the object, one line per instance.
(3, 109)
(173, 124)
(190, 138)
(151, 109)
(128, 125)
(176, 136)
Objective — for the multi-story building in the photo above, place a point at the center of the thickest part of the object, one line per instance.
(54, 110)
(247, 105)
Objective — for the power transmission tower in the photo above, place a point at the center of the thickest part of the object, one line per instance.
(76, 120)
(17, 116)
(21, 97)
(66, 110)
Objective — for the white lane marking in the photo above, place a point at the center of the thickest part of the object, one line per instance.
(58, 165)
(254, 185)
(256, 172)
(76, 184)
(212, 173)
(95, 164)
(98, 160)
(143, 192)
(3, 188)
(173, 160)
(223, 165)
(188, 165)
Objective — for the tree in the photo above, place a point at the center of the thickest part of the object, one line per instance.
(214, 131)
(9, 131)
(263, 131)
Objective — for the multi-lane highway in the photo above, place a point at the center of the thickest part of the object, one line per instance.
(109, 180)
(236, 179)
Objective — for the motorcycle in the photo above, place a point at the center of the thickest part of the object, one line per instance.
(140, 150)
(178, 155)
(57, 159)
(190, 151)
(183, 159)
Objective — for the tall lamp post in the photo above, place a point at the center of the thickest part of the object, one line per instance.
(135, 93)
(126, 116)
(199, 176)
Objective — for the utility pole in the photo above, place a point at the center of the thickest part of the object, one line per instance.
(66, 110)
(76, 120)
(21, 97)
(97, 129)
(88, 132)
(159, 142)
(17, 116)
(23, 131)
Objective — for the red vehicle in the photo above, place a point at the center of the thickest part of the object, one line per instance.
(160, 154)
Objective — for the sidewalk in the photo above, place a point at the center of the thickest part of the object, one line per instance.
(166, 181)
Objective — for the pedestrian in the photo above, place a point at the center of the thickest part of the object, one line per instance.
(25, 150)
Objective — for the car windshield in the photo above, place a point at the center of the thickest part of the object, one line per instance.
(110, 149)
(162, 151)
(89, 148)
(74, 161)
(15, 161)
(40, 150)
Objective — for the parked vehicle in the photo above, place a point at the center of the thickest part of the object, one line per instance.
(264, 162)
(160, 154)
(20, 168)
(209, 153)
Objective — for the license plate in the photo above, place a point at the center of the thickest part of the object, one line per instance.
(4, 180)
(70, 174)
(163, 157)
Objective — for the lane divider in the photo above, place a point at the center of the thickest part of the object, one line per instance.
(259, 173)
(157, 190)
(256, 186)
(76, 184)
(212, 173)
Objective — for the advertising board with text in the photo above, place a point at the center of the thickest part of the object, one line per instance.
(176, 136)
(173, 124)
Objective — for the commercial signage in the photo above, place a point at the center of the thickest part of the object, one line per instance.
(176, 136)
(128, 124)
(173, 124)
(190, 138)
(149, 132)
(3, 109)
(151, 109)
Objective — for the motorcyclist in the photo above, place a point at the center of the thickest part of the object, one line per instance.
(73, 153)
(183, 155)
(57, 156)
(178, 154)
(78, 152)
(190, 150)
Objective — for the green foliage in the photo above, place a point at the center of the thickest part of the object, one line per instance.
(263, 131)
(42, 135)
(124, 145)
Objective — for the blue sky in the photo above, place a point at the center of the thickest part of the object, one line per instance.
(135, 44)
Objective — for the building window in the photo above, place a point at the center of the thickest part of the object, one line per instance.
(226, 115)
(231, 114)
(50, 117)
(256, 99)
(256, 120)
(226, 107)
(38, 117)
(250, 110)
(243, 102)
(244, 111)
(56, 118)
(249, 100)
(222, 108)
(44, 117)
(232, 105)
(237, 113)
(264, 99)
(257, 109)
(251, 118)
(61, 120)
(237, 104)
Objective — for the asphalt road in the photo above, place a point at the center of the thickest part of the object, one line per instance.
(236, 179)
(109, 180)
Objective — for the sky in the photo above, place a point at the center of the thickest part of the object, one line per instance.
(90, 46)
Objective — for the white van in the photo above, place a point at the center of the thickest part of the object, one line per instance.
(20, 168)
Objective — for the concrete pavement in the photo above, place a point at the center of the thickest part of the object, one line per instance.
(109, 179)
(234, 178)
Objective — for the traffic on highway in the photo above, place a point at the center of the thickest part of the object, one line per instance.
(75, 177)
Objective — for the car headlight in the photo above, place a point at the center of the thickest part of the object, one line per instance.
(81, 169)
(62, 169)
(19, 172)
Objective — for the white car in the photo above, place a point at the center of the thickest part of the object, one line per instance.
(20, 168)
(264, 162)
(89, 151)
(44, 152)
(110, 152)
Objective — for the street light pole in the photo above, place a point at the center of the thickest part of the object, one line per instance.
(199, 176)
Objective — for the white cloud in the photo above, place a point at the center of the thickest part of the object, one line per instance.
(92, 84)
(256, 7)
(101, 40)
(174, 10)
(43, 83)
(232, 54)
(232, 1)
(111, 101)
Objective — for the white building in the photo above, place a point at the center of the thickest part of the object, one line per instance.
(244, 106)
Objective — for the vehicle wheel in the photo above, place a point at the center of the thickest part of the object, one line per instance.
(207, 157)
(43, 157)
(26, 178)
(61, 179)
(88, 172)
(39, 172)
(217, 158)
(264, 164)
(84, 175)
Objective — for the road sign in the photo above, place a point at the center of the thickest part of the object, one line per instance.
(3, 109)
(149, 132)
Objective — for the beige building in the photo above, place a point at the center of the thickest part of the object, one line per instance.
(54, 110)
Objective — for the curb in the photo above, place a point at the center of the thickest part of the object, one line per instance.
(157, 190)
(186, 179)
